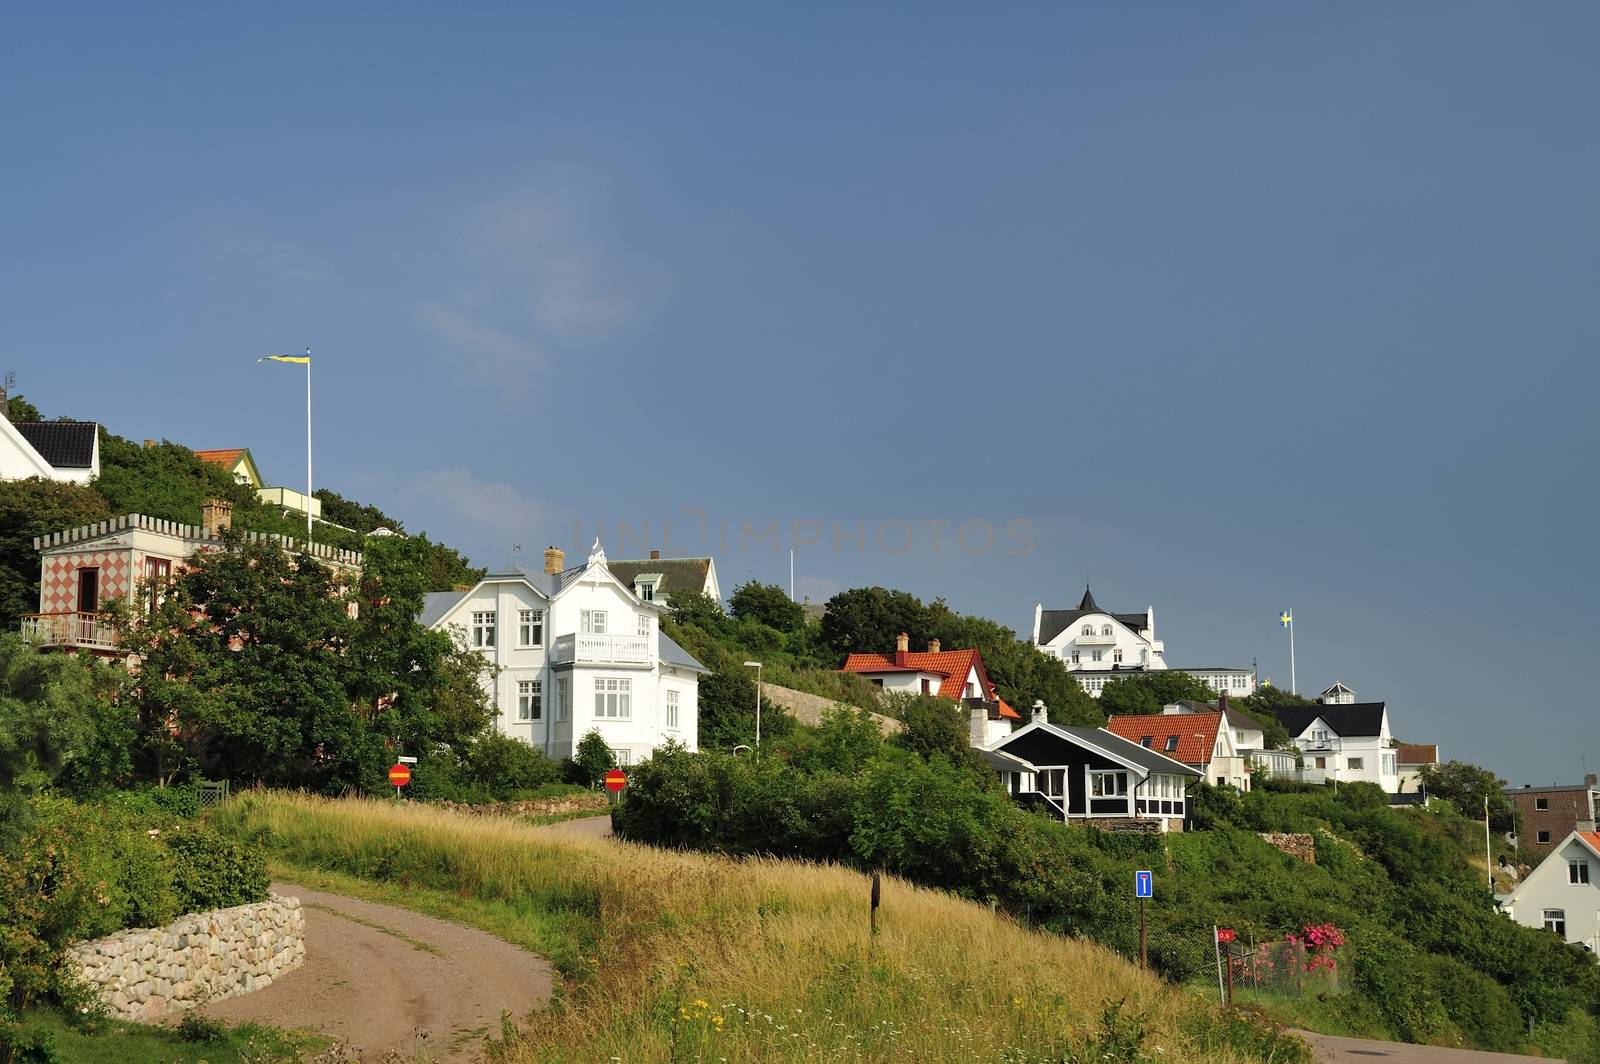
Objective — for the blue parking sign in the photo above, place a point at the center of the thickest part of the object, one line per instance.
(1144, 884)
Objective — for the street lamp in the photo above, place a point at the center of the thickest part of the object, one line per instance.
(756, 665)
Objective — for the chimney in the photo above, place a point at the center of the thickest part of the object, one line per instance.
(902, 644)
(933, 646)
(216, 517)
(655, 555)
(1040, 714)
(1222, 702)
(1590, 780)
(555, 559)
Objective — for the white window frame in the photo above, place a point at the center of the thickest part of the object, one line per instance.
(1095, 655)
(1556, 920)
(647, 590)
(672, 710)
(1355, 764)
(563, 699)
(594, 622)
(530, 701)
(613, 698)
(1044, 778)
(1577, 872)
(623, 758)
(483, 627)
(1542, 838)
(530, 628)
(644, 625)
(1541, 805)
(1098, 786)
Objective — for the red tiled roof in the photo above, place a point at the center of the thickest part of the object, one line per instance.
(1417, 753)
(1592, 838)
(954, 665)
(224, 458)
(1192, 749)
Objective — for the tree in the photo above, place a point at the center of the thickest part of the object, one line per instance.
(867, 620)
(593, 759)
(28, 509)
(1148, 692)
(19, 410)
(726, 700)
(768, 604)
(1466, 786)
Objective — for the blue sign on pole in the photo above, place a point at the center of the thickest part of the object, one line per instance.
(1144, 884)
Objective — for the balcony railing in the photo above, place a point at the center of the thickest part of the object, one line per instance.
(593, 648)
(69, 630)
(1095, 640)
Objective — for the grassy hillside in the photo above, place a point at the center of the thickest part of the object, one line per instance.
(673, 956)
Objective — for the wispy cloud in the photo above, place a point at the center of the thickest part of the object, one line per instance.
(483, 350)
(494, 511)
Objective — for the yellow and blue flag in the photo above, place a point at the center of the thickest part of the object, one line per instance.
(1286, 619)
(304, 360)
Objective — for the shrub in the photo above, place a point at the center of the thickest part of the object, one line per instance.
(213, 872)
(501, 766)
(592, 760)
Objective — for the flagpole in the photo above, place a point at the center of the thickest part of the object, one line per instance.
(308, 447)
(1294, 686)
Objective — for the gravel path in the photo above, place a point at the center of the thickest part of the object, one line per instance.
(381, 979)
(589, 827)
(1331, 1050)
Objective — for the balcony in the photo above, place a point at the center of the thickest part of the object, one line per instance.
(595, 648)
(1095, 640)
(89, 630)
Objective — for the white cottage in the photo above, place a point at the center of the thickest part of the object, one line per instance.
(1343, 740)
(575, 650)
(1562, 895)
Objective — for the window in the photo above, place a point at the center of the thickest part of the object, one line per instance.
(157, 575)
(1116, 655)
(613, 698)
(1105, 630)
(972, 689)
(1544, 836)
(530, 628)
(563, 697)
(927, 686)
(1172, 743)
(1108, 784)
(878, 682)
(483, 628)
(593, 621)
(644, 625)
(1146, 740)
(1388, 763)
(1052, 782)
(1075, 657)
(647, 590)
(1577, 871)
(1322, 762)
(1088, 629)
(1556, 920)
(1356, 764)
(530, 698)
(1095, 655)
(672, 709)
(1541, 804)
(89, 590)
(623, 758)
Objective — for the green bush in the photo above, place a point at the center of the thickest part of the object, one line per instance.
(501, 766)
(210, 871)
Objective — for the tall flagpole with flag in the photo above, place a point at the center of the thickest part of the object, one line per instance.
(1286, 618)
(304, 360)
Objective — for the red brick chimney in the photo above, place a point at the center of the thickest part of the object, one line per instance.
(655, 555)
(902, 644)
(216, 517)
(554, 559)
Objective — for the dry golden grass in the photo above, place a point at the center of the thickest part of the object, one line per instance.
(689, 957)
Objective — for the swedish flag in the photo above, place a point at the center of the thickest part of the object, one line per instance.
(1286, 619)
(304, 360)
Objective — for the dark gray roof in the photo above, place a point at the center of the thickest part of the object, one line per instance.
(677, 574)
(1053, 622)
(1356, 718)
(672, 654)
(64, 444)
(435, 604)
(547, 583)
(1236, 715)
(1100, 739)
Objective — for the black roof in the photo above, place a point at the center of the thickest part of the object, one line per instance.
(64, 444)
(1352, 719)
(1099, 738)
(1053, 622)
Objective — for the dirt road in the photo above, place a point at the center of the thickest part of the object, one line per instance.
(589, 827)
(1331, 1050)
(380, 979)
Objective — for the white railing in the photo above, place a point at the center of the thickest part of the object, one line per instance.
(586, 648)
(1095, 640)
(68, 630)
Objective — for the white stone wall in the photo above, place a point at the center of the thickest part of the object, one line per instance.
(143, 973)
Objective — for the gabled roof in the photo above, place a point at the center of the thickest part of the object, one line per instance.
(230, 457)
(1417, 754)
(1554, 860)
(435, 604)
(671, 653)
(1237, 717)
(1108, 743)
(676, 574)
(64, 444)
(1196, 733)
(1347, 721)
(954, 665)
(1053, 622)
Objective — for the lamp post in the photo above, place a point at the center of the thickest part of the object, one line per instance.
(756, 665)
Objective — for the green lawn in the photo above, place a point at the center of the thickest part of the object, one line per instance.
(117, 1042)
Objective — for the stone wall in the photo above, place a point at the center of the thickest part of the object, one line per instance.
(808, 708)
(1295, 845)
(143, 973)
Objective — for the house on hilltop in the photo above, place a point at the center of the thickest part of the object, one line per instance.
(954, 674)
(54, 450)
(1205, 741)
(575, 650)
(242, 467)
(1091, 774)
(1343, 740)
(654, 579)
(1562, 895)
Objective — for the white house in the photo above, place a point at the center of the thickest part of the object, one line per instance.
(1344, 740)
(1563, 894)
(953, 674)
(655, 578)
(1099, 646)
(575, 650)
(54, 450)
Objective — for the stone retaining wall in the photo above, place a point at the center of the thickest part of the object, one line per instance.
(143, 973)
(1295, 845)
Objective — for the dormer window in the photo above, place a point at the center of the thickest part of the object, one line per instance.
(1088, 629)
(647, 590)
(1105, 629)
(1172, 743)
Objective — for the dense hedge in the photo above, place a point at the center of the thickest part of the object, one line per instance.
(1427, 959)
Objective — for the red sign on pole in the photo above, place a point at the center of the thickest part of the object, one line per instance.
(616, 779)
(399, 776)
(1224, 934)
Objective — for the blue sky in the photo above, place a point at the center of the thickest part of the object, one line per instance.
(1224, 309)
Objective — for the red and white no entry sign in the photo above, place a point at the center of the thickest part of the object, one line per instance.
(399, 776)
(616, 779)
